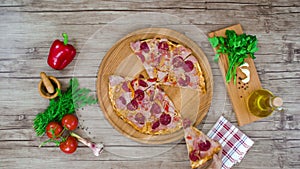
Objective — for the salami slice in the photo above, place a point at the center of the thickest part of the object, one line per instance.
(155, 125)
(204, 145)
(144, 47)
(188, 66)
(194, 155)
(163, 45)
(133, 105)
(139, 94)
(165, 119)
(142, 83)
(178, 61)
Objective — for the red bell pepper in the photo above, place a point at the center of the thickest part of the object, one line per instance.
(61, 53)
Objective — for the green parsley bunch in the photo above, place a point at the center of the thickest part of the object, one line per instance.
(237, 48)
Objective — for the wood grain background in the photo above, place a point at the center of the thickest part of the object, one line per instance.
(28, 27)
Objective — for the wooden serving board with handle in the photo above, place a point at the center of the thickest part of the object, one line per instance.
(240, 91)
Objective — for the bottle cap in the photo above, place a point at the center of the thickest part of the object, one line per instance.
(277, 102)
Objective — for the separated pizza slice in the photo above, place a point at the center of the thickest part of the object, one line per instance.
(200, 147)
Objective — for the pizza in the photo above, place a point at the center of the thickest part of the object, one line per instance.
(172, 64)
(200, 147)
(141, 103)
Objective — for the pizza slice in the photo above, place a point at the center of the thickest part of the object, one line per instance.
(200, 147)
(119, 92)
(125, 94)
(172, 64)
(164, 117)
(140, 103)
(186, 73)
(155, 111)
(180, 50)
(153, 53)
(156, 55)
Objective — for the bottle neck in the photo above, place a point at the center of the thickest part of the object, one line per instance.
(275, 102)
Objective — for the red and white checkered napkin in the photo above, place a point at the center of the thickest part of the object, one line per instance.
(235, 143)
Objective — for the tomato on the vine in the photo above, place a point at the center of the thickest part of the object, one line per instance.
(70, 121)
(53, 130)
(69, 146)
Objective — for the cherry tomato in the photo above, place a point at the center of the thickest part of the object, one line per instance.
(70, 121)
(53, 128)
(69, 146)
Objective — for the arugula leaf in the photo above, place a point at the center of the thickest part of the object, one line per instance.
(236, 47)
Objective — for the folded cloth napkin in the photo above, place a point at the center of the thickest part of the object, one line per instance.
(235, 143)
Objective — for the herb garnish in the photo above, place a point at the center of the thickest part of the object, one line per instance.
(236, 47)
(66, 103)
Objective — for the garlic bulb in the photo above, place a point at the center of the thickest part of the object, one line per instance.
(246, 72)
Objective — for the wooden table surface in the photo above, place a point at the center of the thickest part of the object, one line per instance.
(28, 27)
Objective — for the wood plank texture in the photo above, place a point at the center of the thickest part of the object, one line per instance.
(28, 27)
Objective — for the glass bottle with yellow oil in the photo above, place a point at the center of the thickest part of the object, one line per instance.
(262, 103)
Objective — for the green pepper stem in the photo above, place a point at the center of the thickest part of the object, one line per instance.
(65, 38)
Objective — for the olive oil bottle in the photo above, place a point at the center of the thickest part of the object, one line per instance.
(262, 103)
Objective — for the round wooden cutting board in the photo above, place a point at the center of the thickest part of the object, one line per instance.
(120, 60)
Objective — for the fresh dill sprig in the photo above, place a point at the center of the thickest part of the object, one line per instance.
(66, 103)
